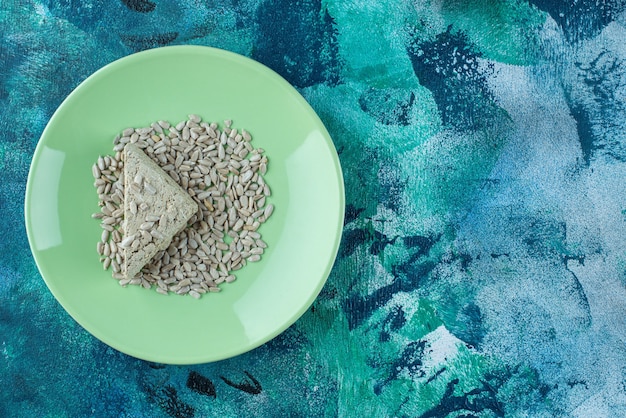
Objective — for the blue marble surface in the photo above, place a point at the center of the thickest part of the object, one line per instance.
(482, 271)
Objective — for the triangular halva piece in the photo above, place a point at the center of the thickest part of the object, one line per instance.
(155, 209)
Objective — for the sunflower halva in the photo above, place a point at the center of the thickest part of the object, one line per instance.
(155, 209)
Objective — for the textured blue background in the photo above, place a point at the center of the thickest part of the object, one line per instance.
(482, 271)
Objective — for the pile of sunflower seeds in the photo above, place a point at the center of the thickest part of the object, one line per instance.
(223, 173)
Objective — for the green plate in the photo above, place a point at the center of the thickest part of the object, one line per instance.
(303, 233)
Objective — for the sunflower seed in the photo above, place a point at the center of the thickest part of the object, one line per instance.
(146, 226)
(183, 290)
(254, 235)
(246, 176)
(127, 241)
(149, 188)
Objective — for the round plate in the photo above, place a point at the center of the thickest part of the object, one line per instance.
(303, 234)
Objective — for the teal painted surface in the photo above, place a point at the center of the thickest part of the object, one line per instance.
(483, 266)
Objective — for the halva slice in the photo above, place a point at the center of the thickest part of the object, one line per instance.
(155, 209)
